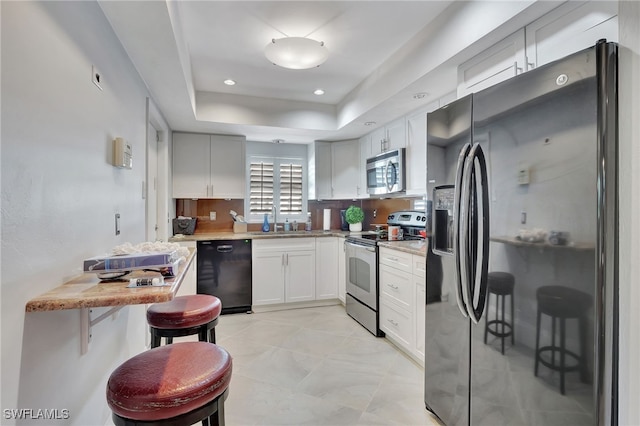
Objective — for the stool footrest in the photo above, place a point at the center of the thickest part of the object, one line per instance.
(557, 350)
(496, 332)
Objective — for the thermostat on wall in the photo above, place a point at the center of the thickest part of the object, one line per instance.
(122, 154)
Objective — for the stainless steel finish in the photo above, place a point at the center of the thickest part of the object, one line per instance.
(458, 218)
(362, 313)
(378, 170)
(606, 328)
(361, 269)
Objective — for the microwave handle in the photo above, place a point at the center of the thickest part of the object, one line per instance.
(388, 184)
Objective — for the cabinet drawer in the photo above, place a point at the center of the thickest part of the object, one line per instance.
(396, 259)
(284, 244)
(396, 286)
(396, 323)
(419, 266)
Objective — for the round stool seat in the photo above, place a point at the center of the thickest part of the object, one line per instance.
(500, 283)
(562, 302)
(168, 381)
(184, 312)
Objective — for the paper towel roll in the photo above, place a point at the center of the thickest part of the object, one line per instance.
(326, 222)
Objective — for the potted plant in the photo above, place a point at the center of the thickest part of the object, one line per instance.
(354, 217)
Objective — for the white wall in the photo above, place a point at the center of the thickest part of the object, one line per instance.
(59, 196)
(629, 176)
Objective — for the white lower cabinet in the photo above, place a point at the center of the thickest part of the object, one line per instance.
(342, 271)
(327, 268)
(283, 270)
(402, 300)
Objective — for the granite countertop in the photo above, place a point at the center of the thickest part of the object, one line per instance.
(412, 246)
(228, 235)
(86, 291)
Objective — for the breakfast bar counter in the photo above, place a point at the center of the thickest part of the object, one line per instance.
(87, 291)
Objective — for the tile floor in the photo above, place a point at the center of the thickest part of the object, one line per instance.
(317, 366)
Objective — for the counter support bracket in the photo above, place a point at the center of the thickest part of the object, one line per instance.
(86, 323)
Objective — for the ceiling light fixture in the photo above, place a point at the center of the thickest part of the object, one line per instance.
(297, 53)
(229, 82)
(318, 92)
(420, 95)
(369, 123)
(277, 140)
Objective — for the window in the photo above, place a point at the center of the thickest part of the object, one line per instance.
(276, 182)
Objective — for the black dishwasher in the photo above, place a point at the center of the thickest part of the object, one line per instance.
(224, 271)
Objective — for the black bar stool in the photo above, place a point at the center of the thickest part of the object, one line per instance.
(179, 384)
(184, 316)
(500, 284)
(563, 303)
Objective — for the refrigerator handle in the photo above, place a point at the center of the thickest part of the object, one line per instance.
(464, 252)
(478, 165)
(460, 283)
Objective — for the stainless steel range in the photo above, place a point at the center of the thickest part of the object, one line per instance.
(361, 251)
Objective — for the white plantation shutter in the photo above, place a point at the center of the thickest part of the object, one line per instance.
(290, 188)
(261, 187)
(280, 182)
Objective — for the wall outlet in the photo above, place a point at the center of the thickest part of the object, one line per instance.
(117, 223)
(212, 215)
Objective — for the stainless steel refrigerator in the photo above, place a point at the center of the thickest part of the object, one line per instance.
(522, 180)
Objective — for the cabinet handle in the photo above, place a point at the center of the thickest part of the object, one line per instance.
(395, 287)
(517, 68)
(393, 322)
(282, 260)
(393, 259)
(287, 259)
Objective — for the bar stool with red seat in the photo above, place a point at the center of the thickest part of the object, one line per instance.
(184, 316)
(178, 384)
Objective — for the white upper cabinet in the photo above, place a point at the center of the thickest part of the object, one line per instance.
(571, 27)
(345, 169)
(391, 136)
(500, 62)
(319, 186)
(208, 166)
(417, 150)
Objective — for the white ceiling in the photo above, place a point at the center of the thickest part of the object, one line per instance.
(184, 50)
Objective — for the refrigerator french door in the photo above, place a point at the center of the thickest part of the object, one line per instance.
(528, 159)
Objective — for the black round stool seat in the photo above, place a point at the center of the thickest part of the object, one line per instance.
(500, 284)
(184, 316)
(178, 384)
(562, 303)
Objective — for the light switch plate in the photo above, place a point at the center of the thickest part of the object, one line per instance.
(212, 215)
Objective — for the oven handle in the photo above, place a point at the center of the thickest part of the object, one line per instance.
(361, 246)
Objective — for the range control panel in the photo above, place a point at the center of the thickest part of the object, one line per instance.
(407, 218)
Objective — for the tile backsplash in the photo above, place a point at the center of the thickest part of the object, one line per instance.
(201, 209)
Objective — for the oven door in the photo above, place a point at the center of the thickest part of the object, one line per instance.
(361, 263)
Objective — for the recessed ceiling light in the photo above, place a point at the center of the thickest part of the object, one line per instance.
(420, 95)
(229, 82)
(318, 92)
(277, 140)
(369, 123)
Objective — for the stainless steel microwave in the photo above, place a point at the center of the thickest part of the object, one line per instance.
(386, 172)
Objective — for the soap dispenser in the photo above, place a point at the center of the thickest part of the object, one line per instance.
(287, 226)
(265, 224)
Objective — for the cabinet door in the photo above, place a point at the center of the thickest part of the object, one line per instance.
(342, 271)
(396, 133)
(267, 276)
(300, 278)
(227, 167)
(500, 62)
(417, 150)
(327, 269)
(345, 171)
(323, 171)
(377, 141)
(397, 324)
(421, 303)
(365, 153)
(571, 27)
(191, 165)
(397, 286)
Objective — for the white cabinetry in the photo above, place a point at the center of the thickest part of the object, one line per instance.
(417, 150)
(571, 27)
(342, 271)
(391, 136)
(327, 268)
(402, 300)
(345, 170)
(283, 270)
(208, 166)
(319, 171)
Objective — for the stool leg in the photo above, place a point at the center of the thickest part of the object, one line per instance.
(202, 334)
(169, 340)
(155, 339)
(553, 341)
(217, 418)
(562, 353)
(212, 335)
(513, 322)
(502, 327)
(486, 319)
(535, 370)
(584, 370)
